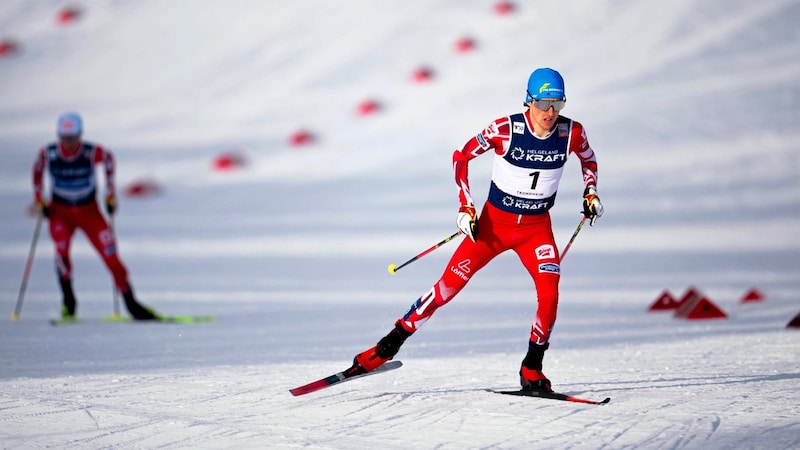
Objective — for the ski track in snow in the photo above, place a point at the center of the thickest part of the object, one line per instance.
(692, 107)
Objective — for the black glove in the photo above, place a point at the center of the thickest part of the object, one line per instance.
(468, 221)
(592, 208)
(111, 204)
(42, 207)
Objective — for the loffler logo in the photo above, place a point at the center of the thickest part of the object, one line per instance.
(462, 269)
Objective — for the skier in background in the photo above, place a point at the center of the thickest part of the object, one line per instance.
(71, 165)
(530, 150)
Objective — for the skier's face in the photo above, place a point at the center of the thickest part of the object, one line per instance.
(543, 121)
(70, 144)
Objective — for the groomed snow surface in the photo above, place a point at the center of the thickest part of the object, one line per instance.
(692, 107)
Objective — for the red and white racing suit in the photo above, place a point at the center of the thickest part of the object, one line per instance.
(525, 179)
(73, 204)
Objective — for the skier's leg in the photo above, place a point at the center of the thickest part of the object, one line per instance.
(540, 257)
(102, 238)
(70, 304)
(468, 258)
(61, 232)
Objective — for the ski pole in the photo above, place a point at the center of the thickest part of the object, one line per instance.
(116, 303)
(574, 235)
(394, 268)
(28, 265)
(113, 286)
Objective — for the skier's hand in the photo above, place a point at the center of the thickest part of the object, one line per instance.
(111, 204)
(592, 208)
(468, 221)
(42, 207)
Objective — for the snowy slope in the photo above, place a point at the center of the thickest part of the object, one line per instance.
(691, 106)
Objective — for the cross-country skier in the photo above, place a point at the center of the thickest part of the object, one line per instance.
(70, 163)
(530, 150)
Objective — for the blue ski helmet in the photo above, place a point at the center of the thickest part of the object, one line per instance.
(69, 125)
(545, 83)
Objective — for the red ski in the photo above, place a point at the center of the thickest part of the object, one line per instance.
(341, 377)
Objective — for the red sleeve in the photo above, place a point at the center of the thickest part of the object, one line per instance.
(493, 137)
(579, 145)
(39, 166)
(105, 157)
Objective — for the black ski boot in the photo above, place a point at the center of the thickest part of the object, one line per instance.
(68, 299)
(137, 310)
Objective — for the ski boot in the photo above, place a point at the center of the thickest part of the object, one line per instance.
(534, 380)
(531, 377)
(385, 350)
(137, 310)
(68, 299)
